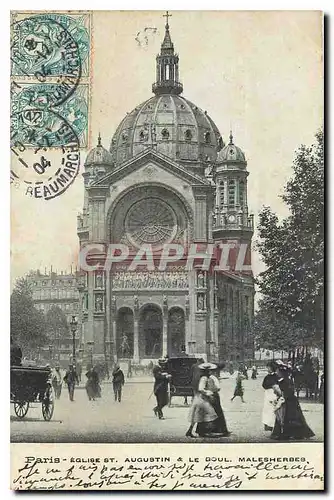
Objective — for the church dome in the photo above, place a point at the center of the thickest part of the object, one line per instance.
(167, 122)
(99, 156)
(171, 125)
(231, 153)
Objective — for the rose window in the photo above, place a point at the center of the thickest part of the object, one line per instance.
(150, 221)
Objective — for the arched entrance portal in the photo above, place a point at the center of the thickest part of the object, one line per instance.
(124, 332)
(176, 331)
(150, 332)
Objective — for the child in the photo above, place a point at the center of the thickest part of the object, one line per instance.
(239, 391)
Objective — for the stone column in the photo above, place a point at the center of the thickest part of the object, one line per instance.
(164, 336)
(136, 339)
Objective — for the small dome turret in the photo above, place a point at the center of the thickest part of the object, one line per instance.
(231, 153)
(99, 156)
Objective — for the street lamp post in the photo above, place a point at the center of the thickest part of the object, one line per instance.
(74, 326)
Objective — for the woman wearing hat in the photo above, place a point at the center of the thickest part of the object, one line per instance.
(290, 422)
(206, 410)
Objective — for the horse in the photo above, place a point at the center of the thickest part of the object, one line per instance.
(306, 378)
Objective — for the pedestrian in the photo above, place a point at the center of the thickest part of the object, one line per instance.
(118, 382)
(290, 422)
(57, 381)
(206, 410)
(160, 389)
(270, 397)
(254, 372)
(93, 387)
(129, 372)
(231, 367)
(70, 379)
(239, 390)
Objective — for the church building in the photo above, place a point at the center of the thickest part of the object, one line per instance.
(167, 178)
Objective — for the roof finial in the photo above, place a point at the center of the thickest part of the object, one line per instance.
(167, 15)
(231, 137)
(99, 140)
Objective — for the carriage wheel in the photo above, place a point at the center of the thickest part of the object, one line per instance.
(48, 404)
(21, 408)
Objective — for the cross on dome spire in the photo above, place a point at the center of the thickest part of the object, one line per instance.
(167, 69)
(167, 15)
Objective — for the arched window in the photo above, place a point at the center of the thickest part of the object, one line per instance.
(207, 137)
(222, 194)
(188, 135)
(141, 136)
(165, 134)
(241, 192)
(231, 192)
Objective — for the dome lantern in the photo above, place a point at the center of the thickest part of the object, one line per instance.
(167, 69)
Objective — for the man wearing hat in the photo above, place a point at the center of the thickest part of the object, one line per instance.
(160, 389)
(70, 379)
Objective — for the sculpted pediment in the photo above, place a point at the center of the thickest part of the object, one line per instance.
(150, 165)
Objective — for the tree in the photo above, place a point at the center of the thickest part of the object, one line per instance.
(275, 332)
(293, 249)
(28, 328)
(57, 327)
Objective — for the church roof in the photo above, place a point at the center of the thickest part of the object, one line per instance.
(231, 153)
(171, 125)
(99, 155)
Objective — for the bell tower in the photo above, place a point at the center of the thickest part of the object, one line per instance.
(231, 213)
(167, 71)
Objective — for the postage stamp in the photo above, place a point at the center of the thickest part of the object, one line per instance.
(50, 61)
(39, 175)
(29, 100)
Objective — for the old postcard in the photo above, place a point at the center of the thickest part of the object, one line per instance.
(167, 240)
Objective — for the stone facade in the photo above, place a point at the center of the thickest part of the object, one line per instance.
(168, 178)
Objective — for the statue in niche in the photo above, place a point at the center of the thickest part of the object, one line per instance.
(99, 303)
(99, 280)
(200, 302)
(124, 347)
(201, 280)
(136, 302)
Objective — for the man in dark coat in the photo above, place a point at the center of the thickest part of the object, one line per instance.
(15, 353)
(160, 389)
(70, 379)
(118, 382)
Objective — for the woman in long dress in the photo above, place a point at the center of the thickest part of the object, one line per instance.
(206, 410)
(270, 397)
(290, 422)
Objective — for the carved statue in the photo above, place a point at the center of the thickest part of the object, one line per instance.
(136, 302)
(124, 347)
(99, 280)
(165, 301)
(200, 302)
(201, 280)
(99, 303)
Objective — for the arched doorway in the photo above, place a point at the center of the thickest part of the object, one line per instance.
(150, 331)
(124, 332)
(176, 331)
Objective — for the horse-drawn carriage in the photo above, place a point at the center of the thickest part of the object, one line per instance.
(181, 370)
(30, 385)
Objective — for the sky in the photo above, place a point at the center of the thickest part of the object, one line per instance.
(259, 72)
